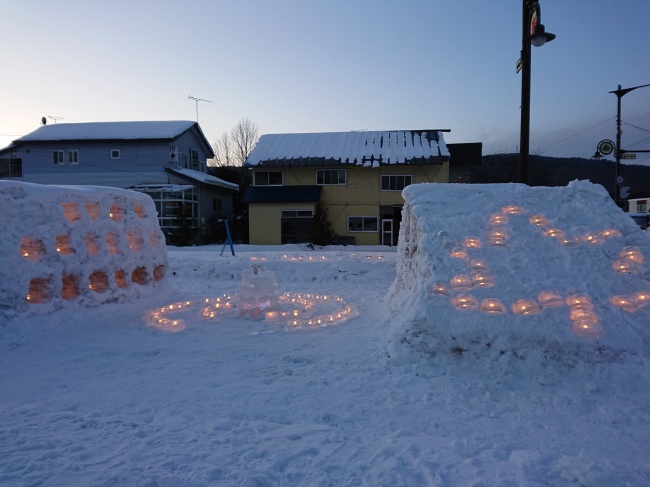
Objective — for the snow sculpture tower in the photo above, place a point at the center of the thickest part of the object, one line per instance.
(258, 293)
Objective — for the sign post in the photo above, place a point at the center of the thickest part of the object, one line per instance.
(228, 240)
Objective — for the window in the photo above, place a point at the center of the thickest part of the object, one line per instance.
(194, 159)
(182, 160)
(642, 206)
(267, 178)
(57, 157)
(11, 168)
(395, 183)
(73, 157)
(362, 224)
(330, 176)
(297, 213)
(115, 153)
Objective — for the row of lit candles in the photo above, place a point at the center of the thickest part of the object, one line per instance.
(33, 249)
(116, 213)
(294, 318)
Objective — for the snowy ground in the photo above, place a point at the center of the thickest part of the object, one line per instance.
(96, 396)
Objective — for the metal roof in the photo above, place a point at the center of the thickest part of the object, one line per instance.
(362, 148)
(145, 130)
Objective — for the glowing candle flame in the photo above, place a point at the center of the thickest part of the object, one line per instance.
(610, 232)
(525, 307)
(625, 266)
(464, 302)
(512, 210)
(439, 289)
(587, 330)
(477, 264)
(554, 232)
(459, 253)
(579, 301)
(550, 299)
(538, 220)
(492, 306)
(498, 219)
(632, 253)
(472, 243)
(641, 298)
(626, 303)
(461, 282)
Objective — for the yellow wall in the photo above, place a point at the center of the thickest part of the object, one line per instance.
(264, 221)
(361, 196)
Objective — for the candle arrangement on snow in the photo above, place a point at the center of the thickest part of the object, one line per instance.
(258, 299)
(584, 320)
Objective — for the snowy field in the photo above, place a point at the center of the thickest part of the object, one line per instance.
(105, 396)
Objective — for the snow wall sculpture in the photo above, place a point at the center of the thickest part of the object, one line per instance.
(82, 245)
(493, 269)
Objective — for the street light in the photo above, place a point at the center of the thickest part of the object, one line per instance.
(619, 179)
(533, 32)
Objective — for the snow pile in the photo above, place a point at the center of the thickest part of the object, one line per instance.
(508, 270)
(80, 245)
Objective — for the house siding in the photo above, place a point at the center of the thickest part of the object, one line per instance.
(360, 196)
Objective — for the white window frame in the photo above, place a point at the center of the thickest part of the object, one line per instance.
(58, 157)
(297, 214)
(73, 157)
(364, 224)
(257, 173)
(116, 154)
(392, 177)
(322, 173)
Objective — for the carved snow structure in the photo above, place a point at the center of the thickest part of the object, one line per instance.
(77, 244)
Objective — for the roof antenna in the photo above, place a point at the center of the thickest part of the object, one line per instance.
(54, 118)
(197, 100)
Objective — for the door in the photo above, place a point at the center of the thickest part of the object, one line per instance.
(387, 232)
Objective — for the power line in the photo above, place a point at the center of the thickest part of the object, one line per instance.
(576, 134)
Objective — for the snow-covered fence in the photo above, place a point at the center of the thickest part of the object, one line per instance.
(83, 245)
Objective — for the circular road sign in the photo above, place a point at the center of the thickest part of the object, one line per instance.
(620, 179)
(606, 147)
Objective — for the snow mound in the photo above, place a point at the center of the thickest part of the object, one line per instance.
(506, 271)
(76, 246)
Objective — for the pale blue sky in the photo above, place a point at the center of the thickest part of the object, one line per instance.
(331, 65)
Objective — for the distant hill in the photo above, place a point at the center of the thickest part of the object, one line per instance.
(559, 171)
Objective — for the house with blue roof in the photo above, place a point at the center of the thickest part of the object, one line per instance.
(165, 159)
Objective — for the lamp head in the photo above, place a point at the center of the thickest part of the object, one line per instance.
(541, 37)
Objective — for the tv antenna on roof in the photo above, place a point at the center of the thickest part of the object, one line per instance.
(55, 118)
(197, 100)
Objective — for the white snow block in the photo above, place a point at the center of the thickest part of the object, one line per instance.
(509, 269)
(76, 245)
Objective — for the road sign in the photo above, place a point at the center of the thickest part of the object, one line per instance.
(519, 64)
(606, 147)
(628, 155)
(620, 179)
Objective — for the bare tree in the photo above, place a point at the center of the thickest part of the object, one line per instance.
(243, 136)
(233, 147)
(223, 155)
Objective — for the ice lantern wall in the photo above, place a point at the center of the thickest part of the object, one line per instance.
(81, 245)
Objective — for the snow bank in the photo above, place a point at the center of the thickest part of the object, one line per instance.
(81, 245)
(510, 270)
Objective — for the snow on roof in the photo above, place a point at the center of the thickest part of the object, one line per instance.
(164, 129)
(368, 148)
(203, 178)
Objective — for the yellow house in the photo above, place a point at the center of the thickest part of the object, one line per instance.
(358, 176)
